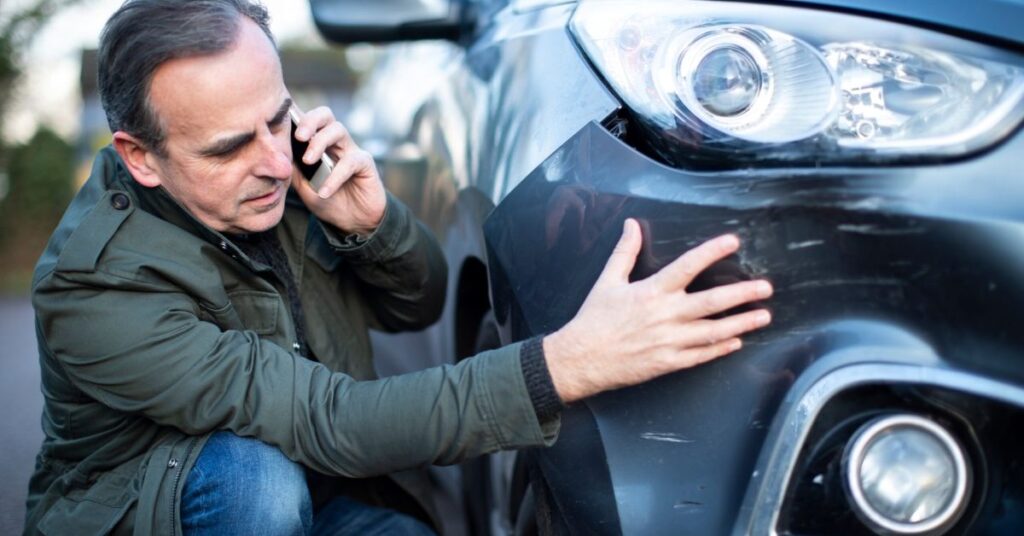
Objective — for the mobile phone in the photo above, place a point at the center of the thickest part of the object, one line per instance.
(316, 173)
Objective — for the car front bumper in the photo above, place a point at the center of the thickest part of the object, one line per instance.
(916, 266)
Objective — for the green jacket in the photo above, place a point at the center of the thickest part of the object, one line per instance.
(154, 331)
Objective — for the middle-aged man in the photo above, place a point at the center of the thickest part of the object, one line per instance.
(202, 313)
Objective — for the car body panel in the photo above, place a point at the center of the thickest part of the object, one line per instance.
(921, 265)
(1000, 19)
(936, 253)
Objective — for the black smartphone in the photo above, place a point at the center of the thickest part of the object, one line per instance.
(316, 173)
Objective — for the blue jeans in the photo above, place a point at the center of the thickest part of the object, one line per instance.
(244, 486)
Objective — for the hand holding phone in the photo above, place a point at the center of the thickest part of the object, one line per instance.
(316, 173)
(347, 192)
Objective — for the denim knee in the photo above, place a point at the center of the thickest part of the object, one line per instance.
(241, 485)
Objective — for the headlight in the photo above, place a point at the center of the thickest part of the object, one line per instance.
(746, 81)
(753, 83)
(906, 475)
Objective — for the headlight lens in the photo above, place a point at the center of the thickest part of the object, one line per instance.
(748, 82)
(726, 81)
(906, 475)
(777, 83)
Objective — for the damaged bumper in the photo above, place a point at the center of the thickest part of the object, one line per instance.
(909, 276)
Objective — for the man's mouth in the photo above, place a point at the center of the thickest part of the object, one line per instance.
(267, 198)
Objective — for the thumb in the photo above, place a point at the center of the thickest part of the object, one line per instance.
(623, 257)
(304, 189)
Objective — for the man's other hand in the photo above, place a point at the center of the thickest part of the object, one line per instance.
(352, 198)
(627, 333)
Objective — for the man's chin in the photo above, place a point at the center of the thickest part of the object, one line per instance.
(260, 221)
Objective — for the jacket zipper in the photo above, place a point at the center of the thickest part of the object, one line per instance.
(179, 466)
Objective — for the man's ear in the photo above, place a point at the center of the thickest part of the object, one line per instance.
(140, 161)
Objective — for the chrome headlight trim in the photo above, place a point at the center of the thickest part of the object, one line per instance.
(863, 90)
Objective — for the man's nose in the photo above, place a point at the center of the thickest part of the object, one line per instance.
(274, 161)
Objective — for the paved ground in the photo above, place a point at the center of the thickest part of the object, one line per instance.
(21, 401)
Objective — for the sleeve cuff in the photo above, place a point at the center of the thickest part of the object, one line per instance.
(511, 414)
(380, 243)
(546, 402)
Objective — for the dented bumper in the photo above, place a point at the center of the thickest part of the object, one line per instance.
(920, 267)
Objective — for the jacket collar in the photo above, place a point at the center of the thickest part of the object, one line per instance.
(158, 202)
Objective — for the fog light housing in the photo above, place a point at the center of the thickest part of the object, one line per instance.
(905, 474)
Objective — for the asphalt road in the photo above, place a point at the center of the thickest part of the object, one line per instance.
(20, 433)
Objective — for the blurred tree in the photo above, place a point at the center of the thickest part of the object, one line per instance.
(38, 173)
(16, 32)
(40, 187)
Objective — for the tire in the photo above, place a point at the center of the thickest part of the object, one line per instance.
(480, 476)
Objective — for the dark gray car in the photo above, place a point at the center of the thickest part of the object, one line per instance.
(868, 154)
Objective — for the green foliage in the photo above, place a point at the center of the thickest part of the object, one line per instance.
(40, 186)
(40, 174)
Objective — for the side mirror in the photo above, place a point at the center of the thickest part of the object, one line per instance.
(382, 21)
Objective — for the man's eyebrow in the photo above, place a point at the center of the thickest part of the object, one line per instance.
(283, 111)
(227, 145)
(232, 143)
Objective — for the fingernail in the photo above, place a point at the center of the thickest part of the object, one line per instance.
(764, 289)
(322, 193)
(763, 318)
(730, 242)
(735, 344)
(302, 134)
(627, 229)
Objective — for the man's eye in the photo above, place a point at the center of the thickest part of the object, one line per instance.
(279, 122)
(226, 153)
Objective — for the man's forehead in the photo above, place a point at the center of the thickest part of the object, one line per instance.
(225, 91)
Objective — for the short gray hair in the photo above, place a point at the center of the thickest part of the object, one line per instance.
(142, 35)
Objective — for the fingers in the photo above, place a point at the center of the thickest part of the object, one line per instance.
(703, 354)
(682, 271)
(707, 340)
(334, 135)
(322, 131)
(709, 332)
(623, 257)
(716, 300)
(313, 121)
(353, 164)
(324, 134)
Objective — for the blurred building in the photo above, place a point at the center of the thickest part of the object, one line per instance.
(314, 78)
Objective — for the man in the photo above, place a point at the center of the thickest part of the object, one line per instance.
(202, 313)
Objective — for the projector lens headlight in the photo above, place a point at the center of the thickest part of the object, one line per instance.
(726, 81)
(906, 475)
(762, 82)
(747, 82)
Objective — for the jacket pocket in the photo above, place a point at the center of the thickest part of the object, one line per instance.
(224, 316)
(258, 310)
(93, 511)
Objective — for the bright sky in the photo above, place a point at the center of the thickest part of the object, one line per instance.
(50, 92)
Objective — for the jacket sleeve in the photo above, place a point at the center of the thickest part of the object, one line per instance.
(401, 267)
(145, 350)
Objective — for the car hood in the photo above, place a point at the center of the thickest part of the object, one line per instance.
(999, 19)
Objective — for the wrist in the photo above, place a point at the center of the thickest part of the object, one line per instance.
(361, 229)
(565, 360)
